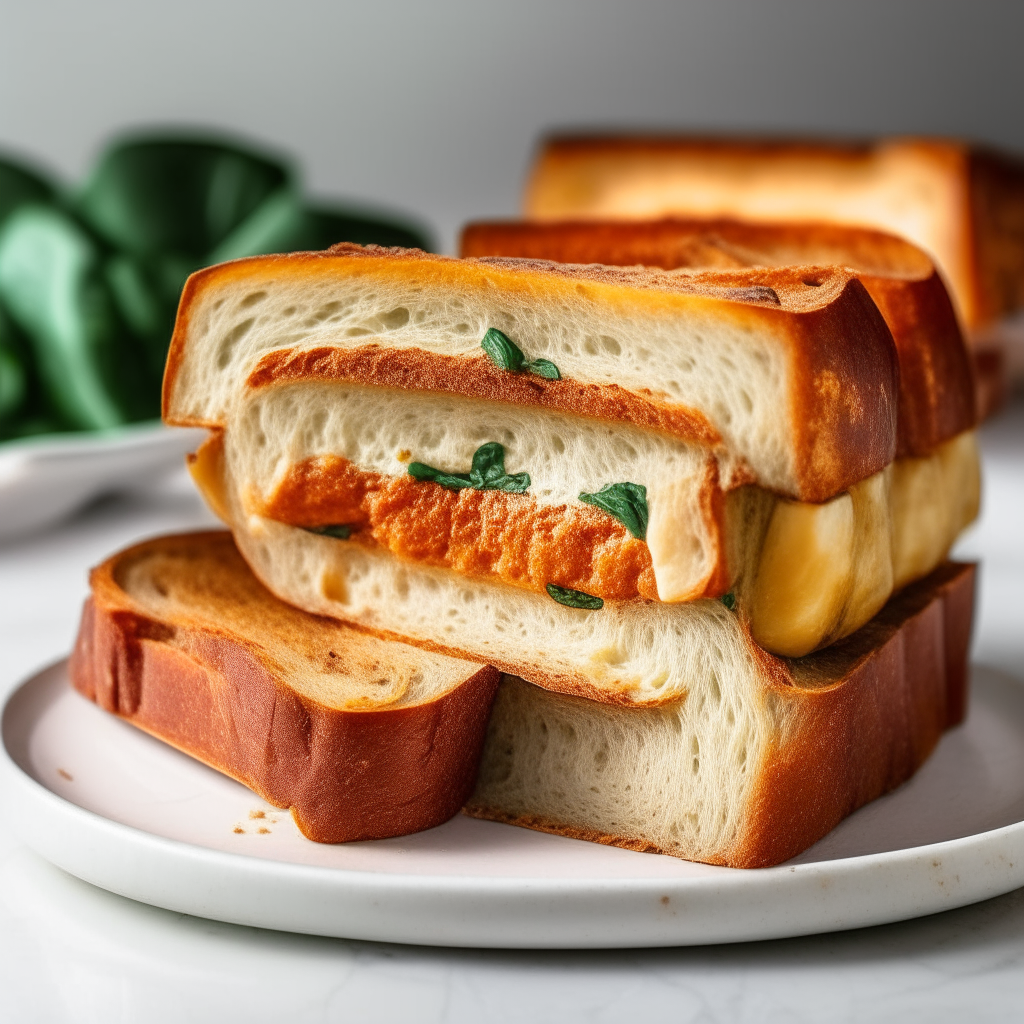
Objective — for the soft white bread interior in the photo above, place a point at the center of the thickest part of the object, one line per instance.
(628, 652)
(380, 430)
(745, 770)
(798, 381)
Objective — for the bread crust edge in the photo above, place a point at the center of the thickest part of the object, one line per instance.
(346, 775)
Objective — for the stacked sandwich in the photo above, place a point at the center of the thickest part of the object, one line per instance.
(962, 204)
(698, 518)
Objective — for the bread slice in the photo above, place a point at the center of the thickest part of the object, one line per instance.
(360, 737)
(936, 398)
(794, 385)
(744, 776)
(962, 204)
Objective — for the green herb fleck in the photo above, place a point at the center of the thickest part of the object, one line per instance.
(574, 598)
(544, 368)
(729, 600)
(341, 531)
(627, 502)
(487, 473)
(503, 351)
(507, 355)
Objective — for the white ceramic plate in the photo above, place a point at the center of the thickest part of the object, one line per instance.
(43, 479)
(125, 812)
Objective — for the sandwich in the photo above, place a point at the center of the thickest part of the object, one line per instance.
(362, 738)
(962, 204)
(649, 496)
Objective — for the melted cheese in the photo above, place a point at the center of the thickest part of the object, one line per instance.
(825, 570)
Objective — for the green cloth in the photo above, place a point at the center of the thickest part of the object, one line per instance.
(90, 280)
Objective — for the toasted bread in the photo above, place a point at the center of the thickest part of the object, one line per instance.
(362, 738)
(796, 383)
(962, 204)
(747, 778)
(937, 393)
(325, 431)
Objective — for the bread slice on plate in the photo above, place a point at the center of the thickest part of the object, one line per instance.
(743, 776)
(362, 738)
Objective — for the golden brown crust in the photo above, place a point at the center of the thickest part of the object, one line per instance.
(845, 428)
(721, 243)
(347, 775)
(985, 193)
(936, 397)
(864, 715)
(991, 388)
(843, 375)
(997, 204)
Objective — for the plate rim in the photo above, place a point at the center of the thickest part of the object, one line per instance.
(734, 883)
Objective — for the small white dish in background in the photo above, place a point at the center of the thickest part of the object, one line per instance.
(44, 479)
(124, 811)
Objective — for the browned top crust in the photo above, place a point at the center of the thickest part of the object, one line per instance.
(985, 196)
(936, 374)
(700, 243)
(843, 384)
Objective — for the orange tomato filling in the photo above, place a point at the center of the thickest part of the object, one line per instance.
(510, 537)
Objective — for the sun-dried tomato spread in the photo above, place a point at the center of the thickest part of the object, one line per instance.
(510, 537)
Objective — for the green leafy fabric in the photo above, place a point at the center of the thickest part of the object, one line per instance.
(90, 279)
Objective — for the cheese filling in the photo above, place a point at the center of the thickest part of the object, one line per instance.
(824, 570)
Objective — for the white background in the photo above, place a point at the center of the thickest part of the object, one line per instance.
(433, 106)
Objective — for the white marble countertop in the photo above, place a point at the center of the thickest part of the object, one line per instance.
(70, 952)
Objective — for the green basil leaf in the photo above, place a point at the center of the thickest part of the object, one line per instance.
(487, 473)
(507, 355)
(543, 368)
(627, 502)
(453, 481)
(503, 351)
(729, 600)
(341, 531)
(574, 598)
